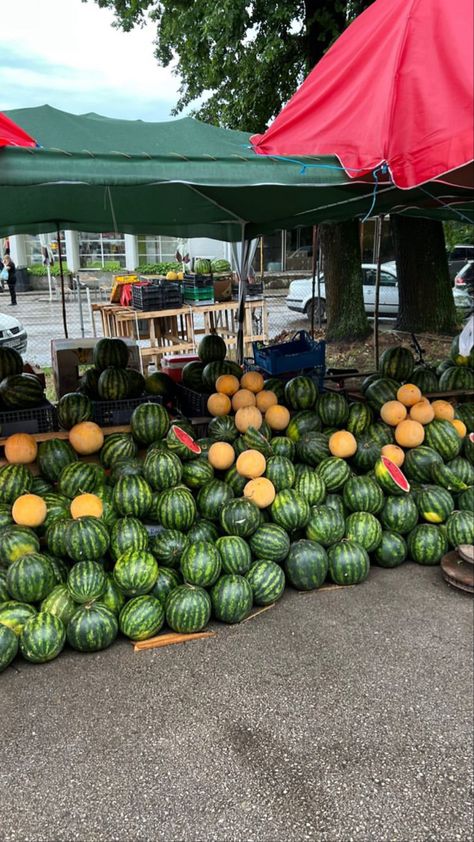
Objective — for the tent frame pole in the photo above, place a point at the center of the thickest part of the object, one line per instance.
(377, 255)
(61, 272)
(313, 277)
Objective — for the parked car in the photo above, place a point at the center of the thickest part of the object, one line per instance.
(458, 257)
(300, 298)
(12, 333)
(465, 278)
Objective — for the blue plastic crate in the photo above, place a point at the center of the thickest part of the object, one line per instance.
(301, 352)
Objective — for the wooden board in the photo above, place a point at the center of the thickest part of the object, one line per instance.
(169, 639)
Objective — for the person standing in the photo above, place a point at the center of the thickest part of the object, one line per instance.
(10, 267)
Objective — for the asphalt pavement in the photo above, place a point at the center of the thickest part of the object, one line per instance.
(338, 715)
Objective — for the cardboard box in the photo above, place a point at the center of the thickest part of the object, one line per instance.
(68, 354)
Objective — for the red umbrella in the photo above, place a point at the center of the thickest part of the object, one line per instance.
(396, 88)
(13, 135)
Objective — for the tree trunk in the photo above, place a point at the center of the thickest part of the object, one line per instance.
(426, 301)
(346, 317)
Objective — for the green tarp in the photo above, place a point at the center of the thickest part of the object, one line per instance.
(183, 178)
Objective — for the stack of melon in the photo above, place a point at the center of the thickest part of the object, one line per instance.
(18, 390)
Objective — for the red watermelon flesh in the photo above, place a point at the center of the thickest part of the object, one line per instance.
(390, 476)
(186, 440)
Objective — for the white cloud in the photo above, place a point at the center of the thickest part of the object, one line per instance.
(67, 54)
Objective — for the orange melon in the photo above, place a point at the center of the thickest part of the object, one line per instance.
(29, 510)
(342, 444)
(409, 394)
(248, 416)
(394, 453)
(86, 438)
(409, 433)
(266, 399)
(228, 384)
(21, 449)
(460, 427)
(221, 455)
(251, 464)
(85, 505)
(443, 410)
(252, 380)
(242, 398)
(277, 417)
(260, 491)
(218, 404)
(422, 412)
(393, 412)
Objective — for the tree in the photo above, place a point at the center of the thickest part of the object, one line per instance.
(340, 245)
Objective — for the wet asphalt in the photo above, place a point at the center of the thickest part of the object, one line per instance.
(343, 714)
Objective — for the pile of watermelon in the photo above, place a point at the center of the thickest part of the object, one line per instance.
(18, 390)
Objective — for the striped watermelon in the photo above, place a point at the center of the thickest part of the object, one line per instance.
(162, 469)
(21, 391)
(15, 480)
(188, 609)
(60, 603)
(362, 494)
(93, 627)
(426, 544)
(78, 478)
(73, 408)
(359, 419)
(336, 502)
(39, 486)
(113, 598)
(116, 448)
(5, 515)
(275, 385)
(459, 377)
(135, 572)
(132, 495)
(127, 533)
(280, 471)
(197, 473)
(8, 647)
(255, 440)
(56, 537)
(58, 508)
(222, 428)
(113, 384)
(333, 409)
(348, 563)
(443, 475)
(290, 510)
(53, 456)
(465, 411)
(86, 581)
(231, 598)
(305, 421)
(16, 542)
(110, 352)
(267, 580)
(86, 538)
(419, 463)
(306, 565)
(212, 497)
(10, 362)
(381, 433)
(30, 578)
(392, 550)
(443, 437)
(141, 617)
(425, 378)
(168, 547)
(301, 392)
(434, 504)
(211, 347)
(213, 370)
(399, 514)
(235, 554)
(14, 615)
(462, 469)
(380, 391)
(239, 517)
(166, 581)
(88, 383)
(460, 528)
(202, 530)
(235, 481)
(4, 595)
(325, 526)
(363, 528)
(136, 383)
(149, 422)
(397, 362)
(61, 569)
(42, 638)
(180, 442)
(270, 542)
(310, 485)
(334, 472)
(200, 564)
(283, 446)
(390, 478)
(313, 448)
(177, 509)
(466, 500)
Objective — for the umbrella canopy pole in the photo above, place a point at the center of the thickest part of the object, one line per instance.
(61, 272)
(377, 253)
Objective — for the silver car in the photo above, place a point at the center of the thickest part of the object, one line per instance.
(300, 297)
(12, 333)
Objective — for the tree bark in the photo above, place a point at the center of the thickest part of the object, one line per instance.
(425, 294)
(346, 317)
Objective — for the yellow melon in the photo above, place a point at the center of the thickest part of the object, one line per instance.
(218, 404)
(86, 438)
(85, 505)
(252, 380)
(394, 453)
(29, 510)
(443, 410)
(248, 416)
(228, 384)
(422, 412)
(266, 399)
(460, 427)
(251, 464)
(21, 449)
(277, 417)
(343, 444)
(221, 455)
(409, 433)
(260, 491)
(242, 398)
(409, 394)
(393, 412)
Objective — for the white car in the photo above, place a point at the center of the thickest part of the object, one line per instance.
(12, 333)
(300, 297)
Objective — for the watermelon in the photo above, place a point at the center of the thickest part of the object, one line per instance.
(213, 370)
(270, 542)
(290, 510)
(177, 509)
(78, 478)
(425, 378)
(149, 422)
(61, 569)
(72, 408)
(15, 480)
(86, 538)
(42, 638)
(113, 384)
(235, 481)
(159, 383)
(363, 528)
(56, 537)
(380, 391)
(116, 448)
(235, 554)
(8, 646)
(132, 495)
(181, 443)
(125, 468)
(110, 352)
(466, 500)
(359, 419)
(304, 421)
(135, 383)
(14, 615)
(362, 494)
(219, 266)
(53, 456)
(39, 486)
(212, 497)
(141, 617)
(443, 365)
(348, 563)
(135, 572)
(367, 453)
(457, 358)
(333, 409)
(392, 549)
(200, 564)
(197, 473)
(113, 598)
(202, 530)
(456, 378)
(301, 392)
(390, 478)
(426, 544)
(93, 627)
(280, 471)
(310, 485)
(443, 475)
(211, 347)
(460, 528)
(89, 383)
(434, 504)
(275, 385)
(191, 376)
(462, 469)
(127, 533)
(167, 579)
(335, 501)
(398, 363)
(21, 391)
(16, 542)
(222, 428)
(399, 514)
(239, 517)
(60, 603)
(381, 433)
(334, 472)
(231, 598)
(443, 437)
(86, 581)
(283, 446)
(325, 526)
(465, 411)
(313, 448)
(419, 461)
(4, 595)
(306, 565)
(162, 469)
(168, 547)
(30, 578)
(267, 580)
(188, 609)
(468, 448)
(58, 508)
(255, 440)
(10, 362)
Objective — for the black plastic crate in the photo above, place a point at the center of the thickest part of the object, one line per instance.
(156, 296)
(115, 413)
(251, 290)
(198, 280)
(190, 403)
(38, 419)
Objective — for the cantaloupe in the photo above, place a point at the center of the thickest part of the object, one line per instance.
(266, 399)
(221, 455)
(443, 410)
(85, 505)
(21, 449)
(248, 416)
(393, 412)
(422, 412)
(218, 404)
(86, 438)
(228, 384)
(29, 510)
(343, 444)
(394, 453)
(409, 433)
(251, 464)
(244, 397)
(277, 417)
(260, 491)
(409, 394)
(460, 427)
(252, 380)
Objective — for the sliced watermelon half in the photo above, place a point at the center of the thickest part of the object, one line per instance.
(184, 444)
(390, 478)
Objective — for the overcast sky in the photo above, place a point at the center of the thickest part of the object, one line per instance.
(66, 53)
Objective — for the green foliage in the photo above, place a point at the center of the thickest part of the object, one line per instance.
(456, 233)
(108, 266)
(158, 268)
(37, 270)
